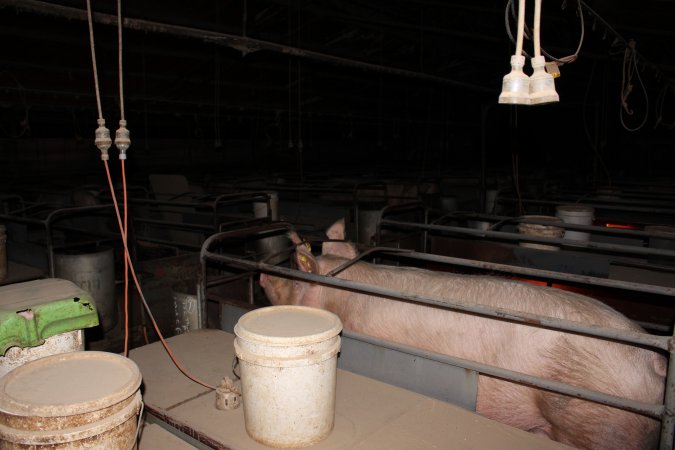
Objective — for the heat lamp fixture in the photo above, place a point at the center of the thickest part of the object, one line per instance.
(517, 87)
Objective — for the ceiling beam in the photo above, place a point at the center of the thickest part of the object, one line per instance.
(241, 43)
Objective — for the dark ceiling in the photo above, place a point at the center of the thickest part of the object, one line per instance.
(396, 74)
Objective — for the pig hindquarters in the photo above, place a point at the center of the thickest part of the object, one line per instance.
(604, 366)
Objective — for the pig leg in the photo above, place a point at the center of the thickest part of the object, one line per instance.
(512, 404)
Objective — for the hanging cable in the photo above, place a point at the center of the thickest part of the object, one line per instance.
(510, 13)
(132, 270)
(521, 28)
(536, 27)
(660, 101)
(102, 135)
(290, 118)
(122, 142)
(628, 71)
(101, 142)
(290, 108)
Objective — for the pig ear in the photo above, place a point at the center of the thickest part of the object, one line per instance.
(293, 236)
(343, 249)
(305, 260)
(337, 230)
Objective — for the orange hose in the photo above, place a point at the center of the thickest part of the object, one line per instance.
(126, 265)
(140, 292)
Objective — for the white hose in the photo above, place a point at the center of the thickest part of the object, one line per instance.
(536, 28)
(521, 27)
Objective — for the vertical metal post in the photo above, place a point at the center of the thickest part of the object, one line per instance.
(50, 247)
(668, 419)
(483, 155)
(201, 292)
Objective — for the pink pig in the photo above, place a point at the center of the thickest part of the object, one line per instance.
(604, 366)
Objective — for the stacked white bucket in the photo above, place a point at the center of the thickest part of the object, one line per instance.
(578, 215)
(72, 400)
(288, 360)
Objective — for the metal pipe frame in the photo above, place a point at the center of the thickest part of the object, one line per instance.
(664, 412)
(611, 205)
(627, 249)
(48, 224)
(500, 220)
(208, 201)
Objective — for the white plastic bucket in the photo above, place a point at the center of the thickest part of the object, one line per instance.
(288, 360)
(577, 214)
(71, 401)
(548, 231)
(260, 208)
(71, 341)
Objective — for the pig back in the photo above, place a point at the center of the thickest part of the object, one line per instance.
(596, 364)
(524, 348)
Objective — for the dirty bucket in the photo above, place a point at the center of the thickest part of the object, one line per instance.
(70, 401)
(576, 214)
(288, 360)
(536, 230)
(260, 208)
(92, 269)
(71, 341)
(271, 249)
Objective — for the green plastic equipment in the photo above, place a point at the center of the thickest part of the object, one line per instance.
(36, 310)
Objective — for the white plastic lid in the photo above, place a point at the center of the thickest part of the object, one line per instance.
(581, 210)
(68, 384)
(288, 325)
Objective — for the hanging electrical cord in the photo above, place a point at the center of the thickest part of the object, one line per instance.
(290, 108)
(584, 118)
(660, 101)
(132, 270)
(299, 68)
(290, 118)
(24, 125)
(628, 71)
(510, 13)
(101, 134)
(122, 142)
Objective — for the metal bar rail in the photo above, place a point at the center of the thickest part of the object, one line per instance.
(212, 203)
(627, 249)
(48, 224)
(665, 412)
(500, 220)
(605, 204)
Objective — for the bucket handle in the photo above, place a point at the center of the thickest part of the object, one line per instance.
(138, 426)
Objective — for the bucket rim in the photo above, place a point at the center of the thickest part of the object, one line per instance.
(17, 405)
(326, 325)
(68, 435)
(581, 210)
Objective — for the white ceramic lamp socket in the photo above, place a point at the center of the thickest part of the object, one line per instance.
(542, 84)
(516, 85)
